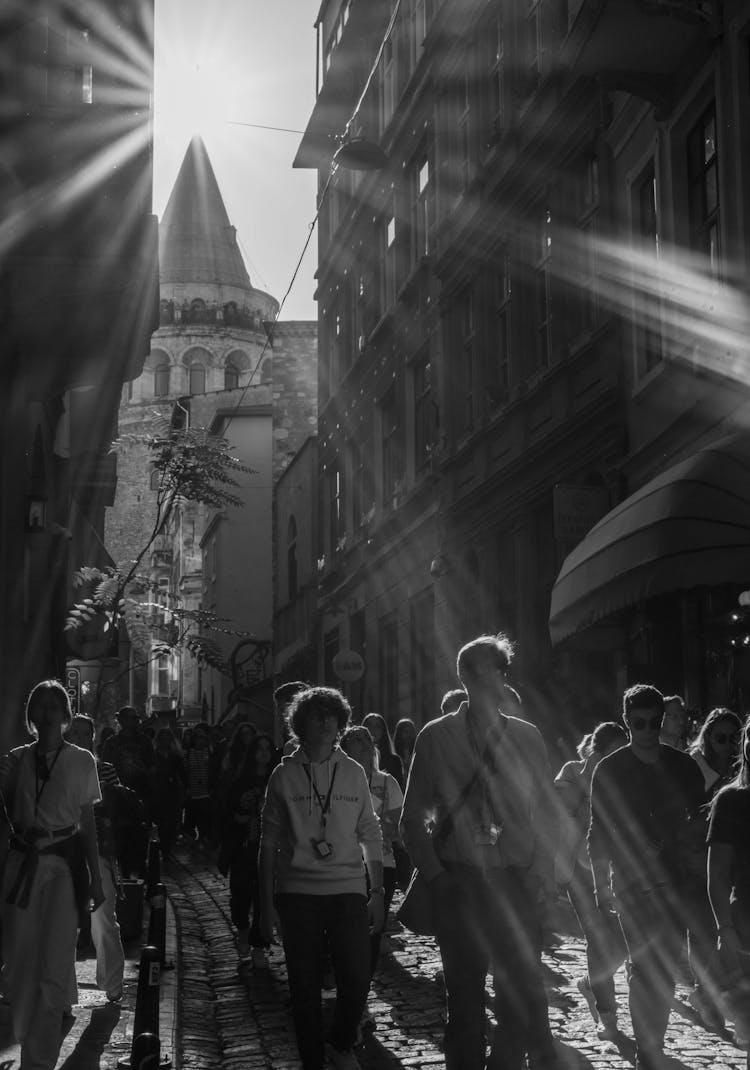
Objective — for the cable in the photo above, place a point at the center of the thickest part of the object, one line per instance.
(321, 198)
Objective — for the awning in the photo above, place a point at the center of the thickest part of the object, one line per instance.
(689, 527)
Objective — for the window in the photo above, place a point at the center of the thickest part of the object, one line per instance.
(421, 209)
(424, 414)
(588, 224)
(155, 479)
(162, 675)
(496, 77)
(231, 376)
(647, 304)
(161, 381)
(464, 128)
(387, 82)
(197, 379)
(420, 21)
(335, 502)
(389, 663)
(330, 650)
(534, 43)
(291, 558)
(388, 262)
(703, 188)
(543, 285)
(500, 358)
(466, 370)
(363, 494)
(392, 451)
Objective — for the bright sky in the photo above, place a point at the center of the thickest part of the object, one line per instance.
(220, 62)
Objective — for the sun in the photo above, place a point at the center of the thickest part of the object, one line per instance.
(190, 96)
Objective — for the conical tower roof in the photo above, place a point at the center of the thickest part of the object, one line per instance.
(197, 243)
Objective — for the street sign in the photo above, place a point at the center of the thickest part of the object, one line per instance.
(73, 687)
(348, 665)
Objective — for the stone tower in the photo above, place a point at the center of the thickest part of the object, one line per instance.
(215, 349)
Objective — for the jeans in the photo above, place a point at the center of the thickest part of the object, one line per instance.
(653, 926)
(308, 923)
(605, 945)
(244, 891)
(493, 923)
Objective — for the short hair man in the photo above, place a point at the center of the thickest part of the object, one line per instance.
(674, 725)
(452, 699)
(643, 798)
(317, 823)
(478, 821)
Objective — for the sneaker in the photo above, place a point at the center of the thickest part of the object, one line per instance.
(115, 996)
(342, 1060)
(705, 1009)
(608, 1030)
(584, 988)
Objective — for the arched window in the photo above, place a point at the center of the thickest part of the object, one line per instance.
(291, 557)
(197, 379)
(161, 381)
(231, 376)
(155, 480)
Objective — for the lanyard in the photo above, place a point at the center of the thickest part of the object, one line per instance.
(325, 804)
(45, 776)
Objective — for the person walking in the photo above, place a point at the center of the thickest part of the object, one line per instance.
(479, 823)
(105, 928)
(52, 875)
(239, 844)
(170, 785)
(729, 890)
(131, 752)
(644, 798)
(605, 947)
(388, 760)
(387, 799)
(715, 750)
(317, 823)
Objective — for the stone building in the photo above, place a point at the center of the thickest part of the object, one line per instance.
(221, 361)
(527, 311)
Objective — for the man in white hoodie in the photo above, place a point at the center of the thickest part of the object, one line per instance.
(317, 823)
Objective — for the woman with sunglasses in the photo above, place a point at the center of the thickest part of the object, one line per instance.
(715, 750)
(729, 889)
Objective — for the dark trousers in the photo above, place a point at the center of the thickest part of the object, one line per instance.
(389, 883)
(244, 891)
(308, 923)
(493, 924)
(605, 945)
(653, 926)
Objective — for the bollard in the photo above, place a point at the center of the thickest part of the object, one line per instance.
(153, 862)
(145, 1050)
(157, 924)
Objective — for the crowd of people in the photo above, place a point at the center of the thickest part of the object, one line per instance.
(644, 832)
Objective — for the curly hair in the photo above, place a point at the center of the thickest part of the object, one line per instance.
(317, 700)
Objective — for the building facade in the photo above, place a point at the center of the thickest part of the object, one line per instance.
(78, 300)
(518, 325)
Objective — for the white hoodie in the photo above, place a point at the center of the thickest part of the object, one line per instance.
(291, 822)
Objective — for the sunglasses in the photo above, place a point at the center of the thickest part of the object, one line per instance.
(642, 723)
(724, 737)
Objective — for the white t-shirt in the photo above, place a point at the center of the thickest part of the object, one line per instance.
(72, 783)
(386, 796)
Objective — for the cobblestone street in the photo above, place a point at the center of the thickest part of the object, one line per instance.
(232, 1020)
